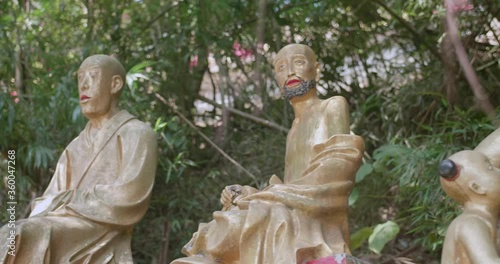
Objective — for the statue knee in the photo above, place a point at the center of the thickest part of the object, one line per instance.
(30, 229)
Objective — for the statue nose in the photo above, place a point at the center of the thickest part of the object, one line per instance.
(448, 169)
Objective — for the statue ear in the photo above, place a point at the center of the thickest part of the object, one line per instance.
(116, 84)
(476, 188)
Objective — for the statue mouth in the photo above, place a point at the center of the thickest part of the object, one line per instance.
(84, 98)
(293, 82)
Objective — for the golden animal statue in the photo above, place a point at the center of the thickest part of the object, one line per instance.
(472, 178)
(101, 186)
(305, 216)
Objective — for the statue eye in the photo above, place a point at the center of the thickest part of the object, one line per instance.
(300, 62)
(490, 167)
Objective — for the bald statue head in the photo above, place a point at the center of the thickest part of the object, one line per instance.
(100, 82)
(296, 70)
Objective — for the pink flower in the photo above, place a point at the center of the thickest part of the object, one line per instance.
(467, 7)
(16, 100)
(194, 62)
(13, 93)
(236, 46)
(240, 52)
(462, 5)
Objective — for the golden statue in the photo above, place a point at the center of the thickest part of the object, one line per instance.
(303, 217)
(101, 186)
(472, 178)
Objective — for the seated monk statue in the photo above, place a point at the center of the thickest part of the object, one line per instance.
(101, 186)
(303, 217)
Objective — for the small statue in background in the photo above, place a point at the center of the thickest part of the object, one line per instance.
(303, 217)
(101, 186)
(470, 178)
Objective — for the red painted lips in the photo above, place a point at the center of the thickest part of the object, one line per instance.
(84, 97)
(293, 82)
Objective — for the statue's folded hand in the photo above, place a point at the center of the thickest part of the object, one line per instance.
(233, 193)
(229, 194)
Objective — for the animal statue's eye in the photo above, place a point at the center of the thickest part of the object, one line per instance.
(490, 167)
(448, 170)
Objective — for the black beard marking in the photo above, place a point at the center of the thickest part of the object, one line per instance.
(302, 89)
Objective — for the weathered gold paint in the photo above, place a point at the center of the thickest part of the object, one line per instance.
(101, 186)
(303, 217)
(471, 237)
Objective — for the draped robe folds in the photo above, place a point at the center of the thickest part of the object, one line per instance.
(295, 222)
(100, 189)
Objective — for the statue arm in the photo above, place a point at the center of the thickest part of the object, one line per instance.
(56, 193)
(337, 112)
(126, 200)
(313, 192)
(477, 240)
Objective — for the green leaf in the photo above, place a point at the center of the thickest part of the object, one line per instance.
(363, 171)
(354, 196)
(159, 125)
(360, 236)
(139, 67)
(390, 150)
(6, 19)
(382, 234)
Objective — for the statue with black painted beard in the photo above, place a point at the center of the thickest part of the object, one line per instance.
(304, 216)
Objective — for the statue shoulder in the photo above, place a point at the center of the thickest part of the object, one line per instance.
(336, 103)
(337, 106)
(336, 109)
(136, 128)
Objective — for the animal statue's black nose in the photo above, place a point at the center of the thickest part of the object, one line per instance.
(448, 169)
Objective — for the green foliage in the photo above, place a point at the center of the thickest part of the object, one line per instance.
(382, 234)
(406, 173)
(360, 236)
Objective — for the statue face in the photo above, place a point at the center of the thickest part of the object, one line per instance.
(476, 176)
(296, 70)
(94, 88)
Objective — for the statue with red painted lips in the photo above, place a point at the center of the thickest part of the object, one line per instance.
(101, 186)
(304, 216)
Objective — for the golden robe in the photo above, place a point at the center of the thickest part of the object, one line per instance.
(287, 223)
(100, 189)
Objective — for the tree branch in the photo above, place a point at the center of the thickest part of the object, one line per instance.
(206, 138)
(471, 76)
(244, 115)
(162, 13)
(410, 28)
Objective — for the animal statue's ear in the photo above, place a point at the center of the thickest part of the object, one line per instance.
(476, 188)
